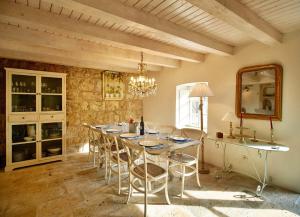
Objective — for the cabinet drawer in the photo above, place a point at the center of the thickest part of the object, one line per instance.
(54, 117)
(22, 118)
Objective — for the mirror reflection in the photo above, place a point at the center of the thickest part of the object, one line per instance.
(258, 92)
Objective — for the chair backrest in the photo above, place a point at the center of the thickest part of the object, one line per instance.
(96, 134)
(136, 156)
(168, 129)
(194, 134)
(88, 127)
(113, 145)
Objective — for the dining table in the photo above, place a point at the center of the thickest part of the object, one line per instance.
(158, 142)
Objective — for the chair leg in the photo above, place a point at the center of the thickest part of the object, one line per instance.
(167, 192)
(105, 155)
(149, 186)
(129, 190)
(109, 172)
(197, 175)
(119, 179)
(94, 156)
(145, 200)
(182, 180)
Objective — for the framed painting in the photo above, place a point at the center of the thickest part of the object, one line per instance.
(113, 85)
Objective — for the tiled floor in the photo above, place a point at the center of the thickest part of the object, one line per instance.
(74, 189)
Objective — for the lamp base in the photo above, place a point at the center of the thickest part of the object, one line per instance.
(231, 137)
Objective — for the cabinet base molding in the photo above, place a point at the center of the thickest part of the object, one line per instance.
(33, 162)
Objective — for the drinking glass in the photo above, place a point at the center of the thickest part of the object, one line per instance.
(17, 86)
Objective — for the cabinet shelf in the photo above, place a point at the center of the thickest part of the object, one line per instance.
(51, 94)
(24, 93)
(46, 140)
(23, 142)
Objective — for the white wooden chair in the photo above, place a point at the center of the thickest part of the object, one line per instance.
(186, 164)
(93, 149)
(117, 158)
(142, 173)
(100, 147)
(166, 129)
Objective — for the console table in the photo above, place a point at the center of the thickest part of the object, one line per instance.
(259, 145)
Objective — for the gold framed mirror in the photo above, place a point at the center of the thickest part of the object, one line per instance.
(259, 92)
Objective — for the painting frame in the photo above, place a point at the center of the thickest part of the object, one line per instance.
(113, 85)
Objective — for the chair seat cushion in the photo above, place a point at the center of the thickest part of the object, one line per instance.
(123, 156)
(114, 148)
(182, 158)
(152, 169)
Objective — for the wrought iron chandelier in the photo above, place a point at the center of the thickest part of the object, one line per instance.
(142, 86)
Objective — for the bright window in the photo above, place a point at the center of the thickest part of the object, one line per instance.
(187, 108)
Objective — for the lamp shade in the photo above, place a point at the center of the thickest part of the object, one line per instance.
(229, 117)
(201, 90)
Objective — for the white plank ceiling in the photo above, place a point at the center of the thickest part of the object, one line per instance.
(220, 35)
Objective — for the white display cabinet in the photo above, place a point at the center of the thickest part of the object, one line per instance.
(35, 117)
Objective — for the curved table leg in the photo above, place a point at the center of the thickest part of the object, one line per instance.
(263, 184)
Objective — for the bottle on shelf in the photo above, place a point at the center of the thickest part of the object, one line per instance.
(142, 126)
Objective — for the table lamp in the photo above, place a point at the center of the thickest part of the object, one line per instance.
(230, 117)
(201, 90)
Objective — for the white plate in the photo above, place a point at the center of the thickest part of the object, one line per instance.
(128, 135)
(28, 138)
(149, 143)
(111, 130)
(100, 126)
(153, 131)
(177, 138)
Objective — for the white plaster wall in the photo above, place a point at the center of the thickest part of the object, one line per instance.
(220, 73)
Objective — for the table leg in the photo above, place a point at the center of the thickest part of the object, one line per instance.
(260, 188)
(225, 169)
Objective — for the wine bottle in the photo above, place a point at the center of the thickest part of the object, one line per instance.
(142, 126)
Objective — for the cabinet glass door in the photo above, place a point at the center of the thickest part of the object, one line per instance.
(51, 139)
(23, 142)
(51, 91)
(23, 90)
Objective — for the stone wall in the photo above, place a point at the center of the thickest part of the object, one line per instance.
(85, 104)
(84, 101)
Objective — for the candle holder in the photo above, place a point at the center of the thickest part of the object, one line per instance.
(254, 137)
(241, 135)
(231, 136)
(272, 137)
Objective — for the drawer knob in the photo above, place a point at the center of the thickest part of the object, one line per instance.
(52, 116)
(23, 117)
